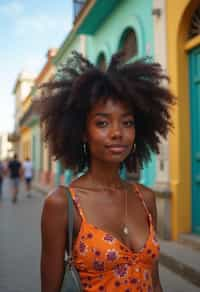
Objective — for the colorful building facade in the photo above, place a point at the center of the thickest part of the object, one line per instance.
(43, 163)
(183, 55)
(110, 26)
(21, 137)
(97, 33)
(161, 29)
(72, 42)
(169, 32)
(27, 134)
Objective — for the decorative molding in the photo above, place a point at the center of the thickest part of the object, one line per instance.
(194, 42)
(195, 24)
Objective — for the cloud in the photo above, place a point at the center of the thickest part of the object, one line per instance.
(30, 31)
(39, 24)
(32, 23)
(12, 9)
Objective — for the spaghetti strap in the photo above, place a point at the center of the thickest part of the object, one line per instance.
(140, 196)
(77, 203)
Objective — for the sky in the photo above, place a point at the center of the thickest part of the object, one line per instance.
(28, 28)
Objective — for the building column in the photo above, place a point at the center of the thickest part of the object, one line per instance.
(162, 185)
(159, 16)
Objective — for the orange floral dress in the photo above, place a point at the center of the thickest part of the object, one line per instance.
(106, 264)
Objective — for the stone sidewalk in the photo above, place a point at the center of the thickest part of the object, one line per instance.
(20, 242)
(181, 259)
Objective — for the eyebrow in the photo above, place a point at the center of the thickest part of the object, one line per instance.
(107, 114)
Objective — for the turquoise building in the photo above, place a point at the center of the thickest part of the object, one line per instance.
(101, 28)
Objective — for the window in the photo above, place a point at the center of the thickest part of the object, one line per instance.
(101, 62)
(129, 44)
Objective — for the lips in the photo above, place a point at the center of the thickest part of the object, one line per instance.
(116, 148)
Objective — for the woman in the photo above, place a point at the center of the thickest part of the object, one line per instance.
(97, 122)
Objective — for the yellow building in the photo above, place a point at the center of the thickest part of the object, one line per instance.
(22, 89)
(42, 157)
(27, 134)
(25, 131)
(183, 55)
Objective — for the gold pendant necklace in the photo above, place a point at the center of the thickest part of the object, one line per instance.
(125, 230)
(125, 227)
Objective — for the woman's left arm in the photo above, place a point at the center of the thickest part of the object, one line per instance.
(150, 201)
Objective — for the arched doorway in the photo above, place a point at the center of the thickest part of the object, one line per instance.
(128, 44)
(179, 47)
(194, 80)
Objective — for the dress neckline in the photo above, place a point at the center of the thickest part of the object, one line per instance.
(119, 241)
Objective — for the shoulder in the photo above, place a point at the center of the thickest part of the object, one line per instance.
(79, 182)
(55, 202)
(148, 195)
(54, 221)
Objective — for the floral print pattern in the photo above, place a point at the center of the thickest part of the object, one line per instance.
(109, 238)
(83, 248)
(111, 255)
(121, 270)
(105, 264)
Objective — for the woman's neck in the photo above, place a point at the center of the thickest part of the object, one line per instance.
(104, 176)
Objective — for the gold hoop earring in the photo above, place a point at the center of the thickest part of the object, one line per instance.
(85, 149)
(134, 148)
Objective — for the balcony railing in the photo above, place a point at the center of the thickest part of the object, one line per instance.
(13, 137)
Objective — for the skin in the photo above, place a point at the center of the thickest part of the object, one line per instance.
(99, 189)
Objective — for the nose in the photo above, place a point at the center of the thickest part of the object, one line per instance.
(116, 132)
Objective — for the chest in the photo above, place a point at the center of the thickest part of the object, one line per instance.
(108, 215)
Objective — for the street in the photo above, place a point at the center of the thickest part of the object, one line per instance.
(20, 243)
(20, 247)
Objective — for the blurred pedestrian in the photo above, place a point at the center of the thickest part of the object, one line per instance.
(28, 175)
(97, 122)
(15, 172)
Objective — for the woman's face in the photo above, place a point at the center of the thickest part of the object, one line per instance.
(110, 132)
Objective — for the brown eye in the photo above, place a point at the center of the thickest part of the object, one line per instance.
(129, 123)
(101, 124)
